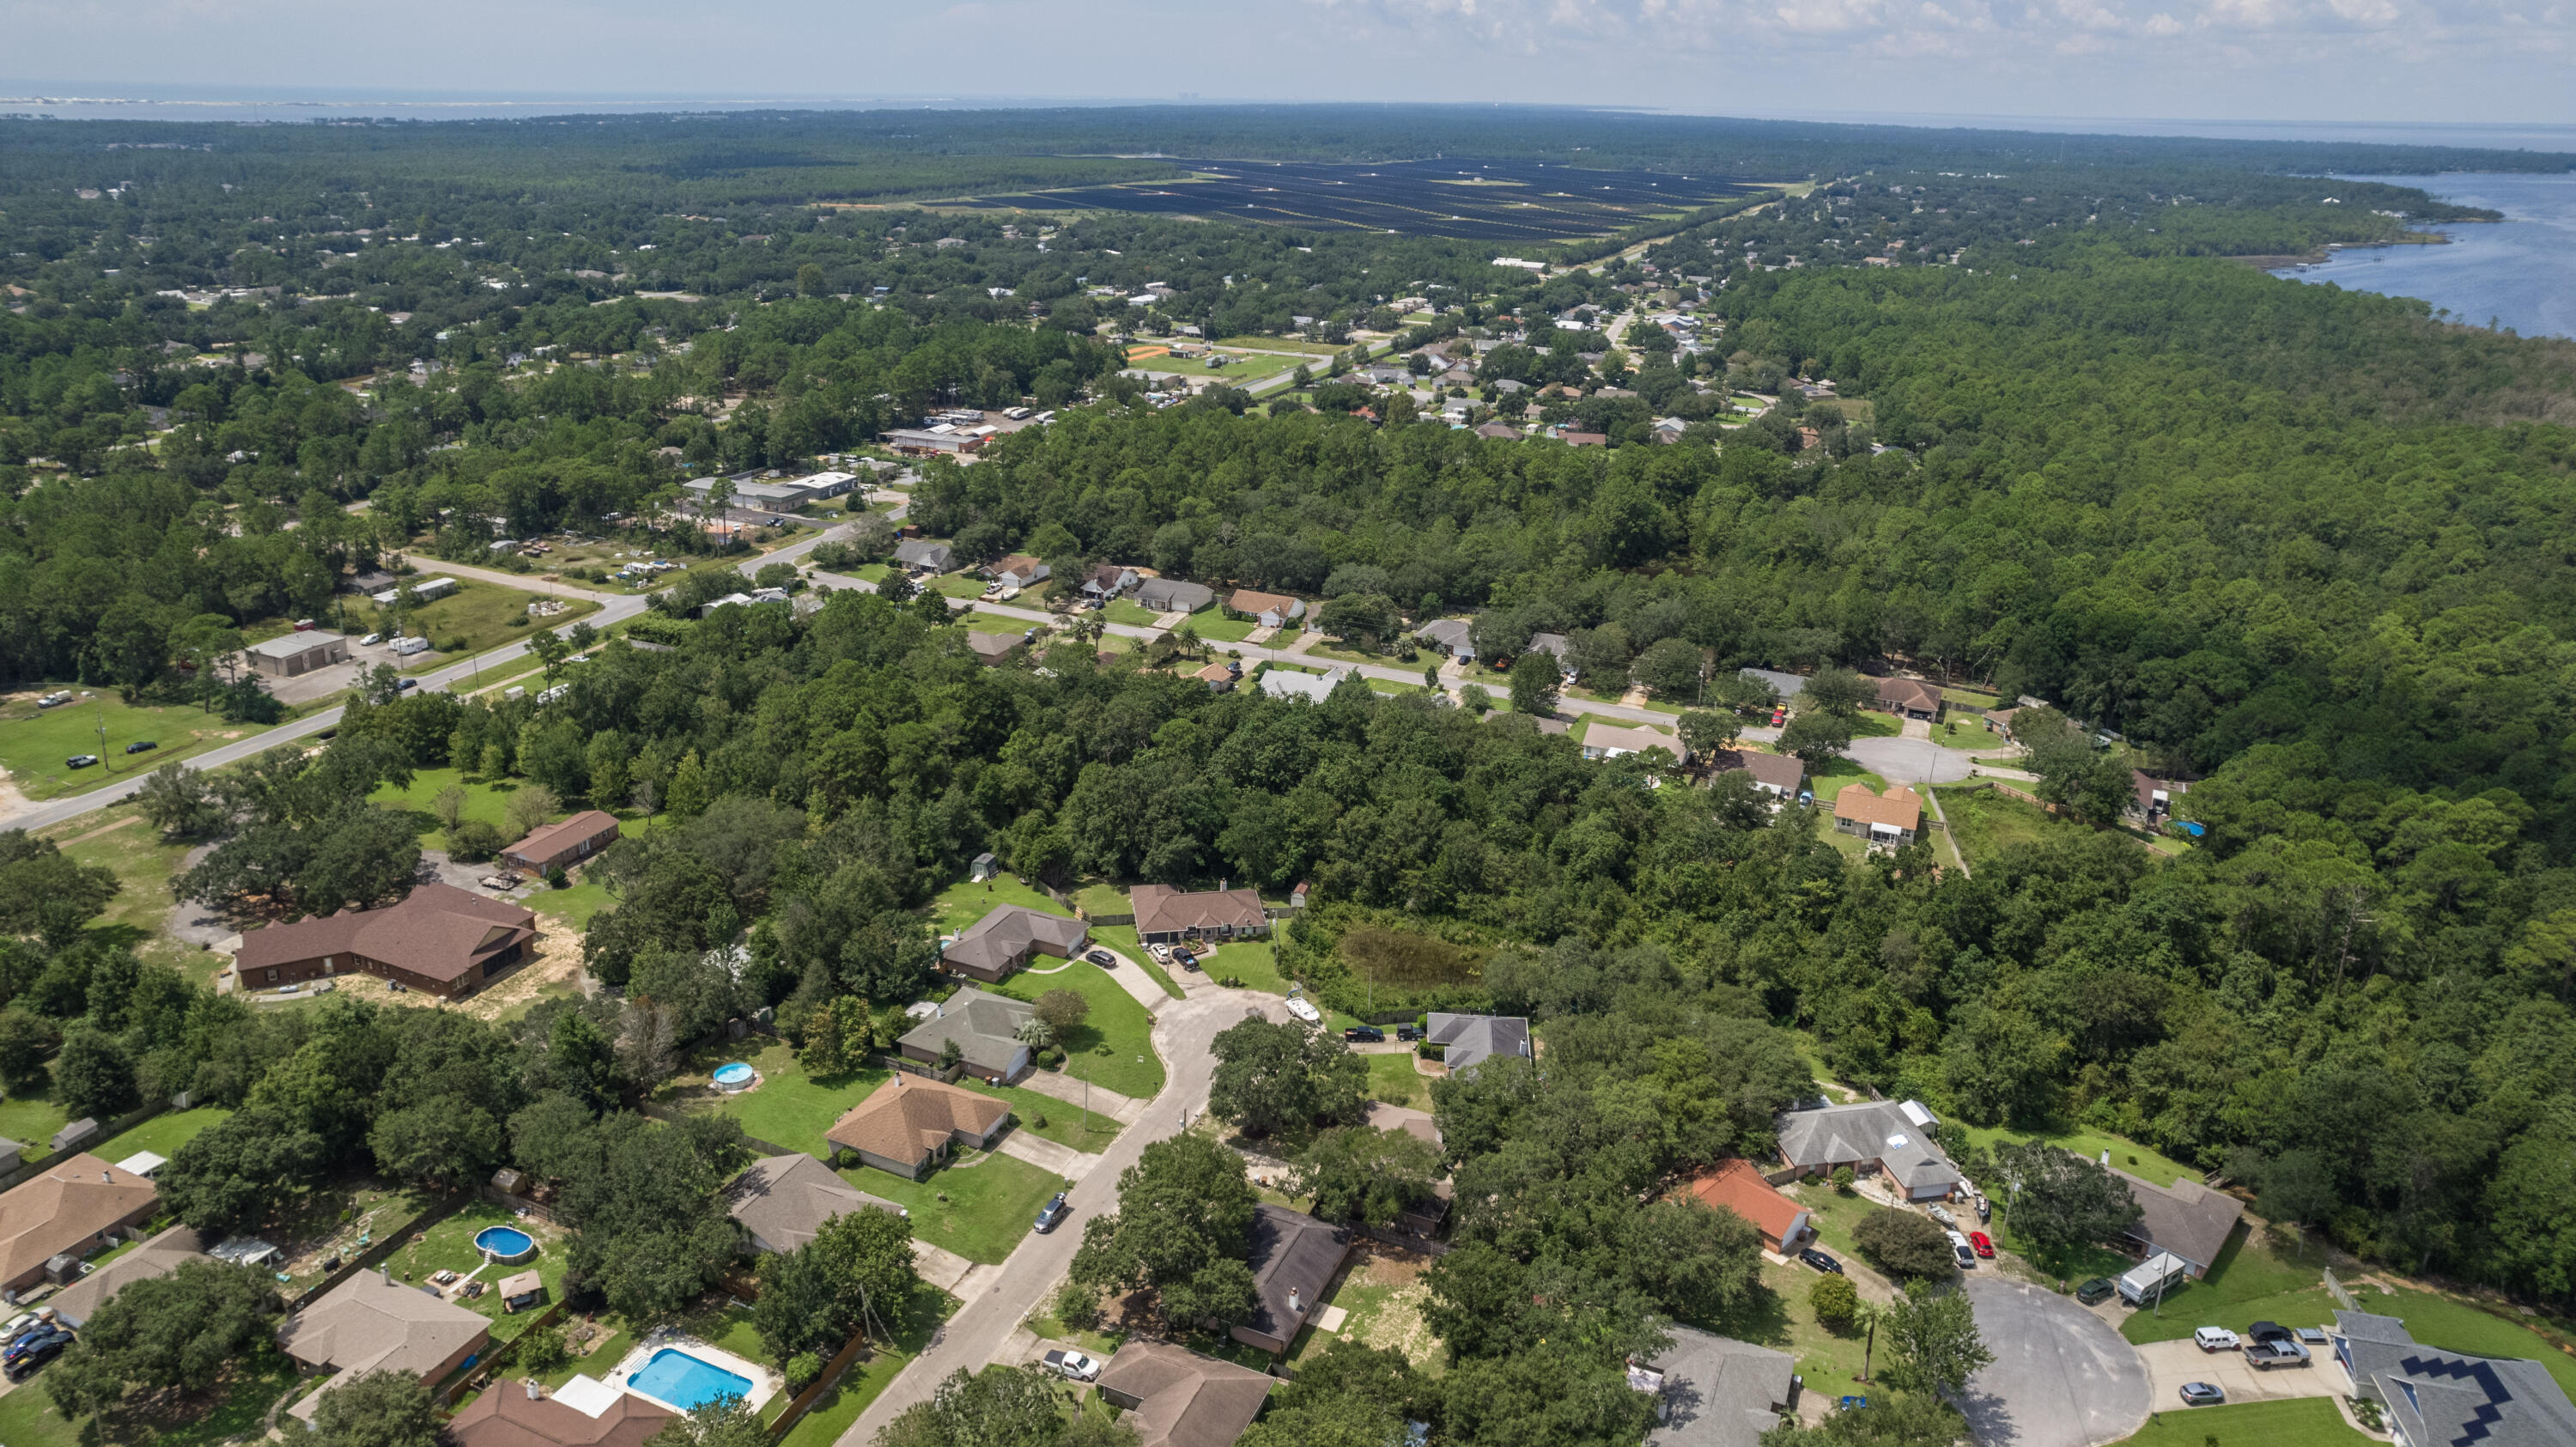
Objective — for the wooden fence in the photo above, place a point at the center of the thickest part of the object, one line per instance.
(382, 1249)
(804, 1401)
(488, 1367)
(28, 1170)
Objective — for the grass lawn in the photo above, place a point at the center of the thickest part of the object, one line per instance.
(2126, 1154)
(1986, 822)
(1066, 1123)
(1129, 612)
(1122, 937)
(1966, 731)
(162, 1135)
(1100, 897)
(30, 1115)
(450, 1247)
(478, 615)
(1835, 1214)
(2291, 1422)
(867, 1377)
(1383, 1293)
(1393, 1079)
(138, 918)
(961, 904)
(34, 743)
(788, 1106)
(1215, 627)
(872, 572)
(1116, 1020)
(597, 1364)
(1410, 658)
(958, 585)
(573, 906)
(991, 1200)
(485, 799)
(1828, 779)
(28, 1417)
(996, 623)
(1282, 344)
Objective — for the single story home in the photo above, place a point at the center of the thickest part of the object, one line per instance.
(1165, 915)
(369, 1323)
(1270, 610)
(1007, 938)
(1894, 1137)
(1171, 595)
(985, 1028)
(439, 940)
(583, 1412)
(2154, 797)
(2186, 1220)
(1175, 1397)
(1610, 741)
(994, 648)
(1910, 698)
(1450, 636)
(1585, 439)
(783, 1202)
(1294, 1257)
(291, 654)
(1736, 1186)
(910, 1124)
(2434, 1397)
(1499, 431)
(1290, 683)
(1108, 580)
(1556, 645)
(1468, 1041)
(1220, 677)
(1890, 820)
(1425, 1218)
(1781, 774)
(1714, 1391)
(568, 843)
(922, 556)
(70, 1210)
(158, 1256)
(1019, 570)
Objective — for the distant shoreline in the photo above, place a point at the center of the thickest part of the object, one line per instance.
(2328, 251)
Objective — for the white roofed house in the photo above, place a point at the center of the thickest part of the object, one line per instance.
(1893, 1138)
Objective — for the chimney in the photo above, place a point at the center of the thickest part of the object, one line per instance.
(1294, 1309)
(385, 1271)
(533, 1394)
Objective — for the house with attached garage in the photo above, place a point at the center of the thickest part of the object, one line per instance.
(1910, 698)
(2185, 1220)
(1171, 595)
(371, 1323)
(1735, 1185)
(583, 1412)
(784, 1202)
(1468, 1041)
(1714, 1391)
(72, 1209)
(1294, 1258)
(985, 1028)
(1270, 610)
(1889, 821)
(1451, 636)
(439, 940)
(1007, 938)
(568, 843)
(922, 556)
(1886, 1137)
(2438, 1398)
(910, 1124)
(1781, 774)
(1175, 1397)
(1165, 915)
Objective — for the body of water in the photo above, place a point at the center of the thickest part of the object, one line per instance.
(2518, 273)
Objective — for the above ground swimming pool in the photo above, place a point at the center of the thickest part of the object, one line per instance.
(506, 1243)
(735, 1076)
(682, 1380)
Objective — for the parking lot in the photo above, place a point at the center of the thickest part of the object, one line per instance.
(2172, 1363)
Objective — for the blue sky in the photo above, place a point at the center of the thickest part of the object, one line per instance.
(2399, 60)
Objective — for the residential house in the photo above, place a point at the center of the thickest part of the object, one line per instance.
(991, 649)
(1610, 741)
(1585, 439)
(1019, 570)
(1468, 1041)
(1108, 580)
(569, 843)
(583, 1412)
(1557, 645)
(1714, 1391)
(1220, 677)
(1294, 1257)
(369, 1323)
(1175, 1397)
(1737, 1186)
(2432, 1397)
(1452, 636)
(2154, 797)
(1891, 1137)
(291, 654)
(984, 1027)
(1426, 1218)
(1781, 774)
(1165, 915)
(785, 1201)
(1670, 429)
(1270, 610)
(1291, 683)
(70, 1210)
(2186, 1220)
(1889, 820)
(1171, 595)
(439, 940)
(158, 1256)
(1509, 385)
(1007, 938)
(910, 1124)
(1910, 698)
(1499, 431)
(924, 557)
(1789, 686)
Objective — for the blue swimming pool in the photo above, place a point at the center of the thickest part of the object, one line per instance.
(682, 1380)
(509, 1243)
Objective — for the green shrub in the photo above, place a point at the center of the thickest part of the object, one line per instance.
(802, 1369)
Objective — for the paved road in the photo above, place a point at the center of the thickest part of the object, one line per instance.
(2061, 1377)
(982, 1326)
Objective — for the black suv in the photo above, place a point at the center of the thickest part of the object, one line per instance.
(142, 746)
(2098, 1289)
(1365, 1034)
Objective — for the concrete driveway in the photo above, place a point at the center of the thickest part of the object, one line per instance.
(2061, 1376)
(2172, 1363)
(1911, 761)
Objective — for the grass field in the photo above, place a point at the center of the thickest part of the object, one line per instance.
(1393, 1079)
(163, 1134)
(28, 1417)
(1966, 731)
(30, 1115)
(963, 903)
(1215, 627)
(2291, 1422)
(1985, 822)
(958, 585)
(486, 800)
(138, 918)
(34, 743)
(990, 1202)
(1116, 1021)
(869, 1376)
(1067, 1123)
(788, 1107)
(478, 615)
(1100, 897)
(1282, 344)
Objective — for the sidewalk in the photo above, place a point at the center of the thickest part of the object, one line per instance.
(1124, 1109)
(1046, 1155)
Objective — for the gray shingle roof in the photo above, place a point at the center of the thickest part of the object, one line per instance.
(980, 1023)
(1171, 595)
(1871, 1130)
(1472, 1039)
(2187, 1218)
(1291, 1252)
(1718, 1392)
(785, 1201)
(1005, 938)
(2449, 1399)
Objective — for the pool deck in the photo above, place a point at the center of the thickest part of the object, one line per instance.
(765, 1383)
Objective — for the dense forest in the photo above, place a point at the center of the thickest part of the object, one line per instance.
(2307, 547)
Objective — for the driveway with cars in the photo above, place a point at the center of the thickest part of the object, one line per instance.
(2171, 1363)
(2061, 1376)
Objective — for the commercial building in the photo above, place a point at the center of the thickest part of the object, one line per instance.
(292, 654)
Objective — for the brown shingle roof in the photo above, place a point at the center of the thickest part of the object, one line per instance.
(1161, 909)
(506, 1416)
(1909, 694)
(437, 931)
(555, 838)
(1005, 937)
(64, 1209)
(1182, 1398)
(909, 1117)
(1899, 808)
(1245, 600)
(369, 1324)
(160, 1256)
(785, 1201)
(1780, 771)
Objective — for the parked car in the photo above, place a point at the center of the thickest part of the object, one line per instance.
(142, 746)
(1985, 1212)
(2202, 1394)
(1983, 1243)
(1942, 1215)
(34, 1350)
(1408, 1032)
(2270, 1331)
(1366, 1034)
(503, 880)
(1160, 952)
(2099, 1289)
(1052, 1214)
(55, 699)
(2215, 1339)
(1102, 958)
(1306, 1012)
(1961, 1251)
(408, 685)
(371, 640)
(1072, 1366)
(1821, 1261)
(2278, 1352)
(80, 761)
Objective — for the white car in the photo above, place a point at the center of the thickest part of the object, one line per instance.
(1162, 953)
(2214, 1339)
(371, 640)
(1305, 1012)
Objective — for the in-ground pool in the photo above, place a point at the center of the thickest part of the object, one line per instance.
(506, 1243)
(675, 1377)
(735, 1076)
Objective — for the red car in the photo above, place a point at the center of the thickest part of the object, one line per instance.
(1979, 1240)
